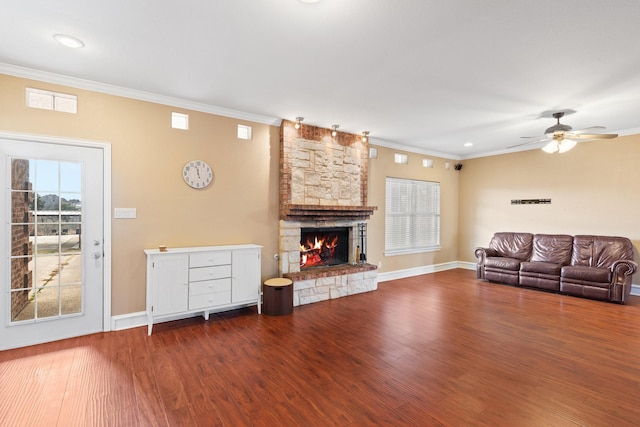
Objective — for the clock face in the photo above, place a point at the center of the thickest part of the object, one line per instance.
(197, 174)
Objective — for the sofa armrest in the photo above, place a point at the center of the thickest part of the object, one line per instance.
(482, 254)
(621, 270)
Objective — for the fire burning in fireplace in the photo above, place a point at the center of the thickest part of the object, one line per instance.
(322, 247)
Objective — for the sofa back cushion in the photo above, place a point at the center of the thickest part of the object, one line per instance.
(513, 245)
(600, 251)
(555, 248)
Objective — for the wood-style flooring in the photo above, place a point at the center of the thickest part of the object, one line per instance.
(442, 349)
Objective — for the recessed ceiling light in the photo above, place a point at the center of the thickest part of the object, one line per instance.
(310, 1)
(468, 144)
(68, 41)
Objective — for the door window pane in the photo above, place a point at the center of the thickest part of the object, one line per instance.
(46, 253)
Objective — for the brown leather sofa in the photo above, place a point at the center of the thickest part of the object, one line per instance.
(598, 267)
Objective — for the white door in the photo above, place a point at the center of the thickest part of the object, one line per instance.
(52, 226)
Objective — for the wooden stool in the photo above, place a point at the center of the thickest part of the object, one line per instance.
(277, 297)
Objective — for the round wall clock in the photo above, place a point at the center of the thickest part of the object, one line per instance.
(197, 174)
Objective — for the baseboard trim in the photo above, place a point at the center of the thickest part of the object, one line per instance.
(128, 321)
(135, 320)
(467, 265)
(417, 271)
(410, 272)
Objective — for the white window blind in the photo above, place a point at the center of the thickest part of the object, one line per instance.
(412, 216)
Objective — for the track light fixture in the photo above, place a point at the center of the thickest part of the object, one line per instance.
(365, 136)
(334, 132)
(298, 122)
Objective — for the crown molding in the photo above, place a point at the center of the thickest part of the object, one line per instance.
(45, 76)
(627, 132)
(411, 149)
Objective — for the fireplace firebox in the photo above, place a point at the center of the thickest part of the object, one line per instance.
(324, 247)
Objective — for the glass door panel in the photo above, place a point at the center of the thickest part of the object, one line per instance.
(46, 253)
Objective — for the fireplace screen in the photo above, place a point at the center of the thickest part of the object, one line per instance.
(324, 246)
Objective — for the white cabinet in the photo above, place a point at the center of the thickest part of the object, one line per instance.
(183, 281)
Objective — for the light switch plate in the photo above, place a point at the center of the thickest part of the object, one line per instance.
(126, 213)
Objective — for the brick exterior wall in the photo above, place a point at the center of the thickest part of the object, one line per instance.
(21, 275)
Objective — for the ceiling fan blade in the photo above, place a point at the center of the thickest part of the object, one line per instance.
(589, 129)
(537, 139)
(584, 136)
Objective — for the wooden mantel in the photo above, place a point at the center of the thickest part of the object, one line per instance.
(325, 213)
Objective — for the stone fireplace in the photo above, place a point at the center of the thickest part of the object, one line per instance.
(323, 194)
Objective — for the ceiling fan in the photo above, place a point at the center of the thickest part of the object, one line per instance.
(562, 138)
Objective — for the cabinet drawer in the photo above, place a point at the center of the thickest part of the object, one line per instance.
(206, 259)
(209, 287)
(209, 300)
(209, 273)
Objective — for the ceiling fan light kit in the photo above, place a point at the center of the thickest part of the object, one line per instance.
(561, 146)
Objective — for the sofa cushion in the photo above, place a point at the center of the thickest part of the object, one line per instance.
(583, 273)
(555, 248)
(513, 245)
(541, 267)
(502, 263)
(600, 251)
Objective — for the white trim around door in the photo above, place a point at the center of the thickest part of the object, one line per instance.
(106, 247)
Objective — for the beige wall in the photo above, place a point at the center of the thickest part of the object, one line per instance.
(383, 167)
(241, 206)
(594, 189)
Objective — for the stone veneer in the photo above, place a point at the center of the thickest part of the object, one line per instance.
(319, 169)
(323, 183)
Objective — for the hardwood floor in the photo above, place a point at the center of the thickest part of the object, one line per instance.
(441, 349)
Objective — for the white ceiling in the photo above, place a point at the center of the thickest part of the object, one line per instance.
(428, 75)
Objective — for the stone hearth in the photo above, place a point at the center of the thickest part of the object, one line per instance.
(325, 283)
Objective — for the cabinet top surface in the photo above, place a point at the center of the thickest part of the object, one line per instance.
(200, 249)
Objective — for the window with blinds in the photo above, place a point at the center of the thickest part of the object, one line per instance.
(412, 216)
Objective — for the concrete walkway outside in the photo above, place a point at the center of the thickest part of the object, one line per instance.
(52, 299)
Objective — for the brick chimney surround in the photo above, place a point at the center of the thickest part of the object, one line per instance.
(323, 183)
